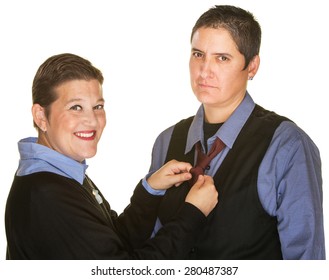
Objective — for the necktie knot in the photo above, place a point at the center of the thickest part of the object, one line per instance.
(203, 160)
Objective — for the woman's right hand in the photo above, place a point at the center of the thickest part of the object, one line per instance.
(173, 173)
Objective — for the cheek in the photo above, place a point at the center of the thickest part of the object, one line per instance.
(102, 121)
(194, 76)
(62, 121)
(193, 69)
(68, 124)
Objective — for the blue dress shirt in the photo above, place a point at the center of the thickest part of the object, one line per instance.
(289, 181)
(35, 157)
(39, 158)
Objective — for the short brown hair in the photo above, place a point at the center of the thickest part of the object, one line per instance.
(243, 27)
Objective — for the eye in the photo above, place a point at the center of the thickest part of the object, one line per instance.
(99, 107)
(76, 108)
(223, 58)
(197, 54)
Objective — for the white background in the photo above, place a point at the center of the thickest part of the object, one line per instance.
(142, 48)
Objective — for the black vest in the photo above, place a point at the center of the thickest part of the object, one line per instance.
(239, 227)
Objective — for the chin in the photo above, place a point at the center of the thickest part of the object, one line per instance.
(204, 99)
(85, 156)
(91, 154)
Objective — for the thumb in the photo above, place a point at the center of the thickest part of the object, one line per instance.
(199, 182)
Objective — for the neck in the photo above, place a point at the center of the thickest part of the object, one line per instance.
(42, 140)
(215, 113)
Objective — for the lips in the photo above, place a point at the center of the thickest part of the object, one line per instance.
(203, 85)
(86, 135)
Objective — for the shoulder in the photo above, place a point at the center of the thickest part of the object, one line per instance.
(287, 135)
(291, 136)
(41, 180)
(40, 198)
(291, 148)
(43, 187)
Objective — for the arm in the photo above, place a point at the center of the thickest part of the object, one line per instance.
(175, 239)
(66, 225)
(136, 223)
(291, 174)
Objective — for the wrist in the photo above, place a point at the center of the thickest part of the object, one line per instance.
(149, 188)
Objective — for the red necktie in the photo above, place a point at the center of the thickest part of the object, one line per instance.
(203, 160)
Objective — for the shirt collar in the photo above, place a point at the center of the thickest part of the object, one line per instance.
(38, 158)
(228, 132)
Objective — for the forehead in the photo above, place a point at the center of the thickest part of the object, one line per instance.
(79, 89)
(213, 39)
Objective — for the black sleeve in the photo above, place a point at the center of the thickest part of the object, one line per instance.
(50, 218)
(175, 239)
(136, 223)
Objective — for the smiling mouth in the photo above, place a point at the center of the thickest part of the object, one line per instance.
(86, 135)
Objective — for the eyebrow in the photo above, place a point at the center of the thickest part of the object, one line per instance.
(80, 99)
(217, 54)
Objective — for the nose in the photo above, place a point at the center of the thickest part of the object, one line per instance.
(90, 118)
(206, 70)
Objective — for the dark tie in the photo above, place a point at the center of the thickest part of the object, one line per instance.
(204, 160)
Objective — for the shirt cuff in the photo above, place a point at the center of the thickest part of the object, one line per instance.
(149, 189)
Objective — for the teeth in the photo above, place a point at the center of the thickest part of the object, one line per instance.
(85, 135)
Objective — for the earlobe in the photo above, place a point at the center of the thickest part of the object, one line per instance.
(39, 117)
(253, 67)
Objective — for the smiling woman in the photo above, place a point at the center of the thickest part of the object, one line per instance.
(54, 210)
(77, 119)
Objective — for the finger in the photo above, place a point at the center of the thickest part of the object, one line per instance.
(180, 167)
(208, 179)
(178, 179)
(183, 177)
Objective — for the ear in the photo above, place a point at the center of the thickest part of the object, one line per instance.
(39, 117)
(253, 67)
